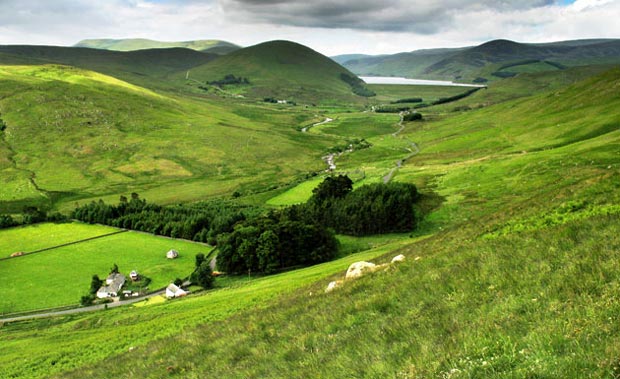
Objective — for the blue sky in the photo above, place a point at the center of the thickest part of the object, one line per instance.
(329, 26)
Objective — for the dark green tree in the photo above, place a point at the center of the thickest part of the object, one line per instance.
(95, 284)
(203, 275)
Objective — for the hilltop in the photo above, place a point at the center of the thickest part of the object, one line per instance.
(285, 70)
(130, 44)
(489, 61)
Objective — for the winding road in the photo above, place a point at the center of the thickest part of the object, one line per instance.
(413, 150)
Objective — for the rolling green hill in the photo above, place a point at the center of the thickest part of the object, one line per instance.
(73, 134)
(282, 69)
(209, 45)
(139, 67)
(513, 273)
(469, 63)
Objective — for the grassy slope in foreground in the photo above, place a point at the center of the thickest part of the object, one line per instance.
(63, 343)
(282, 69)
(60, 276)
(540, 304)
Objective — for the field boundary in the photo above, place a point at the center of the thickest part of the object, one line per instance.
(65, 244)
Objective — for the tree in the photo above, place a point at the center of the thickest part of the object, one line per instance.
(200, 258)
(95, 284)
(333, 187)
(114, 269)
(203, 275)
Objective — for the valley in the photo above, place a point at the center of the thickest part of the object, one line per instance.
(511, 269)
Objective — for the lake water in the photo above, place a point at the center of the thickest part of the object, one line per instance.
(418, 82)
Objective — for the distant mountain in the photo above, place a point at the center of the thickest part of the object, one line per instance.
(340, 59)
(130, 44)
(283, 69)
(490, 61)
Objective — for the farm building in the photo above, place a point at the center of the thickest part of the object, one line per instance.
(133, 275)
(172, 254)
(174, 291)
(114, 283)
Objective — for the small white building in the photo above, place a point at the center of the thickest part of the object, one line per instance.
(114, 283)
(172, 254)
(133, 275)
(173, 291)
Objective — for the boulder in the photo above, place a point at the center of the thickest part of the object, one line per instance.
(358, 269)
(398, 258)
(333, 285)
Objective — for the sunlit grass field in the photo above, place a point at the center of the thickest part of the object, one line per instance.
(60, 276)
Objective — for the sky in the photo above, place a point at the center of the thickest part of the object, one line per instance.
(330, 27)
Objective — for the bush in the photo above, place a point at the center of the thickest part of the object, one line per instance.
(415, 116)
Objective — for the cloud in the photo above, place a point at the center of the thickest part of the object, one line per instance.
(422, 16)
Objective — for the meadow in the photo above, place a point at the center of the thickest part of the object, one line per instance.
(60, 276)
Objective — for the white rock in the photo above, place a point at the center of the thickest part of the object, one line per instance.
(332, 285)
(398, 258)
(358, 269)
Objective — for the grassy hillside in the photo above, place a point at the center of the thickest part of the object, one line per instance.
(130, 44)
(144, 67)
(467, 64)
(282, 69)
(77, 135)
(517, 275)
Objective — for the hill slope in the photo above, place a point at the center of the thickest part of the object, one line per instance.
(466, 64)
(517, 276)
(139, 67)
(282, 69)
(72, 133)
(131, 44)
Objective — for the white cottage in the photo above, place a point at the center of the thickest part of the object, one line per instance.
(174, 291)
(114, 283)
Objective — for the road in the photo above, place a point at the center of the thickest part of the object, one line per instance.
(91, 308)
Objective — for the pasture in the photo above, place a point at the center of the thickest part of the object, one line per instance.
(60, 276)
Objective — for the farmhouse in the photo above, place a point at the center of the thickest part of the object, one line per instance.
(172, 254)
(174, 291)
(114, 283)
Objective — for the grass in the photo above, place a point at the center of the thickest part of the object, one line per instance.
(104, 138)
(74, 341)
(40, 236)
(516, 274)
(60, 276)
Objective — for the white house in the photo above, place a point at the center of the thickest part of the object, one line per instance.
(172, 254)
(114, 283)
(174, 291)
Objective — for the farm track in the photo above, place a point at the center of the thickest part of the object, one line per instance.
(412, 151)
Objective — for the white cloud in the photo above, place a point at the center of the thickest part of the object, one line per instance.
(331, 27)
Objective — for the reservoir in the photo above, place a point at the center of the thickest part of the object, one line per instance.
(418, 82)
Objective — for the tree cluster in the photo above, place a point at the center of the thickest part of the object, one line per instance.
(370, 209)
(408, 100)
(199, 222)
(273, 242)
(229, 79)
(413, 116)
(30, 215)
(202, 275)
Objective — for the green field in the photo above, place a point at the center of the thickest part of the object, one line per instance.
(41, 236)
(62, 275)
